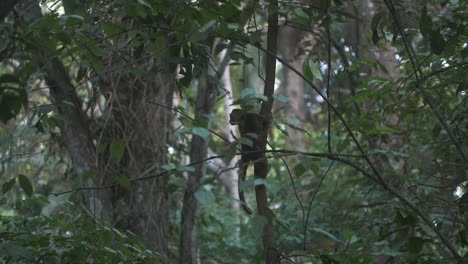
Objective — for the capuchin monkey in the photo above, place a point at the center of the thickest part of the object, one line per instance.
(251, 125)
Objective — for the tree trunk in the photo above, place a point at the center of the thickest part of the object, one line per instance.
(74, 126)
(198, 152)
(293, 85)
(141, 125)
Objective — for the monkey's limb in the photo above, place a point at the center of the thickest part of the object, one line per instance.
(242, 175)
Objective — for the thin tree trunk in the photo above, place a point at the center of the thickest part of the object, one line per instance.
(261, 169)
(198, 152)
(75, 129)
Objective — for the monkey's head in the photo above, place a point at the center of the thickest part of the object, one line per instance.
(235, 117)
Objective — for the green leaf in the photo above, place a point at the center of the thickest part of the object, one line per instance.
(293, 122)
(437, 41)
(348, 234)
(168, 167)
(311, 70)
(8, 185)
(324, 232)
(301, 16)
(281, 98)
(201, 132)
(123, 181)
(111, 30)
(149, 169)
(299, 169)
(145, 3)
(208, 25)
(382, 243)
(116, 149)
(260, 181)
(25, 184)
(12, 101)
(204, 196)
(198, 37)
(387, 253)
(184, 168)
(160, 45)
(425, 24)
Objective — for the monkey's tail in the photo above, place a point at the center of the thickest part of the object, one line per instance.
(244, 203)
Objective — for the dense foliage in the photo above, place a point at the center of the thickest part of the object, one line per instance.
(371, 168)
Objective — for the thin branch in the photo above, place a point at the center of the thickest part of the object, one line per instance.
(328, 88)
(292, 183)
(312, 200)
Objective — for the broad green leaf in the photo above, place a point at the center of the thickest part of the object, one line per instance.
(260, 181)
(25, 184)
(204, 196)
(12, 101)
(382, 243)
(425, 24)
(198, 36)
(387, 253)
(123, 181)
(8, 185)
(116, 149)
(300, 16)
(299, 169)
(348, 234)
(201, 132)
(353, 240)
(324, 232)
(168, 167)
(208, 25)
(281, 98)
(145, 3)
(110, 250)
(294, 122)
(149, 170)
(250, 96)
(311, 70)
(184, 168)
(160, 45)
(437, 41)
(111, 30)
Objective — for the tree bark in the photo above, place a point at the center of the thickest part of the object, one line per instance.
(261, 168)
(142, 127)
(198, 151)
(293, 85)
(74, 126)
